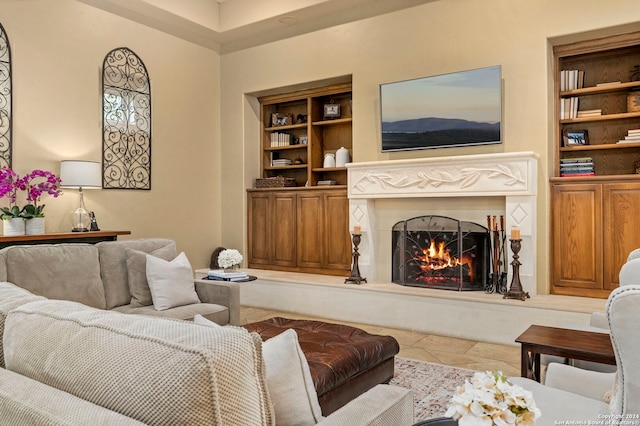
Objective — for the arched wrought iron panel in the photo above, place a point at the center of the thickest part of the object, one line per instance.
(6, 103)
(126, 121)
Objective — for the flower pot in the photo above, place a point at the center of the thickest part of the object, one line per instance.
(34, 226)
(234, 268)
(12, 227)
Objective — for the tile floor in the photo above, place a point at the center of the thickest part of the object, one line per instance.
(424, 347)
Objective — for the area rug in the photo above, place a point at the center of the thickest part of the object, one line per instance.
(432, 384)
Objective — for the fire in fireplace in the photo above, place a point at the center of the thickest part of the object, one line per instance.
(440, 252)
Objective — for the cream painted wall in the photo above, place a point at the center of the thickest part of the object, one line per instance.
(58, 48)
(435, 38)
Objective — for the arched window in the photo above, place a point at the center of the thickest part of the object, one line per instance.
(5, 99)
(126, 121)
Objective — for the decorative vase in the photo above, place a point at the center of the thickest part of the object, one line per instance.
(12, 227)
(34, 226)
(329, 160)
(342, 157)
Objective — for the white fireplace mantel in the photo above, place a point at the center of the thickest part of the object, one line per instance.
(510, 175)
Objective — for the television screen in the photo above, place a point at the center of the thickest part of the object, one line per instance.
(457, 109)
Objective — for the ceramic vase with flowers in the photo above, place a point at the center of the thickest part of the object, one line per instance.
(30, 218)
(229, 260)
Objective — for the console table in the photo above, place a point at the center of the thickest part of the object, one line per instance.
(91, 237)
(563, 342)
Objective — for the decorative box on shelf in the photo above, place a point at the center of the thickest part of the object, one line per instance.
(275, 182)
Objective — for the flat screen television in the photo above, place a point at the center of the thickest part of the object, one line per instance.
(457, 109)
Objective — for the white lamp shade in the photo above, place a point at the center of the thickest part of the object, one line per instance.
(80, 174)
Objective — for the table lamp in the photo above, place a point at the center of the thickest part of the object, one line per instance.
(80, 174)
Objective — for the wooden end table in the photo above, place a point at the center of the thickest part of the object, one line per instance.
(563, 342)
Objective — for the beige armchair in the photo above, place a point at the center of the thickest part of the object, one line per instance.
(570, 393)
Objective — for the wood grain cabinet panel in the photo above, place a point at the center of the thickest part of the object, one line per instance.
(303, 230)
(594, 227)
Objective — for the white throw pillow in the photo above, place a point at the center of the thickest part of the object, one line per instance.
(289, 382)
(171, 283)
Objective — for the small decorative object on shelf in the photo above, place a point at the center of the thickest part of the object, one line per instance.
(355, 277)
(490, 399)
(516, 291)
(342, 157)
(329, 160)
(229, 259)
(332, 110)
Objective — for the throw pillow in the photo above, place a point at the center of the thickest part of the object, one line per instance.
(289, 380)
(137, 272)
(171, 283)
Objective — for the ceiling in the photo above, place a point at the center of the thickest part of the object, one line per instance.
(230, 25)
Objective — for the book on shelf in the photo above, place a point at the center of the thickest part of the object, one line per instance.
(571, 80)
(576, 160)
(608, 83)
(576, 174)
(633, 136)
(577, 166)
(569, 108)
(220, 274)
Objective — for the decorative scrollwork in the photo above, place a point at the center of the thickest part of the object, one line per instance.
(464, 179)
(5, 100)
(126, 121)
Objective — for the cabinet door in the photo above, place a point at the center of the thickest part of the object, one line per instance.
(621, 204)
(258, 220)
(283, 225)
(310, 229)
(576, 234)
(336, 224)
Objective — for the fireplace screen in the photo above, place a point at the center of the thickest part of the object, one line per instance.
(440, 252)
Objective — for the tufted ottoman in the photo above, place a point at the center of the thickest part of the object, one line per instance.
(344, 361)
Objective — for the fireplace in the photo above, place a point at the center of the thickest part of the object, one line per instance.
(440, 252)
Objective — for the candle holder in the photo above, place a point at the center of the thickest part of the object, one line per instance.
(516, 292)
(355, 277)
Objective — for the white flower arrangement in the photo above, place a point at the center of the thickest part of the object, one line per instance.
(229, 257)
(490, 399)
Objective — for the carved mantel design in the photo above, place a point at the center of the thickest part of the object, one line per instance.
(510, 175)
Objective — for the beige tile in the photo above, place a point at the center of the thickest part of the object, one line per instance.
(445, 344)
(417, 353)
(510, 354)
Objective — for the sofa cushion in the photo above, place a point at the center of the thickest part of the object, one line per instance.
(211, 311)
(12, 296)
(113, 266)
(137, 273)
(171, 283)
(24, 401)
(155, 370)
(57, 271)
(291, 387)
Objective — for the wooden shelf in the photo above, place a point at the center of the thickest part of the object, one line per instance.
(280, 148)
(289, 127)
(329, 169)
(332, 122)
(91, 237)
(596, 90)
(599, 147)
(605, 117)
(293, 166)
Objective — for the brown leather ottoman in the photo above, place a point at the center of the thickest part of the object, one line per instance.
(344, 361)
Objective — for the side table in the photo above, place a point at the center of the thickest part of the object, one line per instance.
(563, 342)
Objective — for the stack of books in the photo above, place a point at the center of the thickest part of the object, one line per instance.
(281, 139)
(589, 113)
(280, 162)
(570, 167)
(633, 136)
(569, 108)
(221, 275)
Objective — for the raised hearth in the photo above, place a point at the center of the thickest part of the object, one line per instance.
(510, 175)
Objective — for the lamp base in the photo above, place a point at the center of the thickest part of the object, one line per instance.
(80, 230)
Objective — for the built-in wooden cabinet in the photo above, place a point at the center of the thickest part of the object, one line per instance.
(301, 127)
(304, 230)
(594, 220)
(594, 227)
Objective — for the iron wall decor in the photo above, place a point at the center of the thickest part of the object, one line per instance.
(126, 121)
(6, 110)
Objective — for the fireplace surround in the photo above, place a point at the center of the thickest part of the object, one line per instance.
(510, 176)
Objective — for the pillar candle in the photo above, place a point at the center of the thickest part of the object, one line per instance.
(357, 229)
(515, 234)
